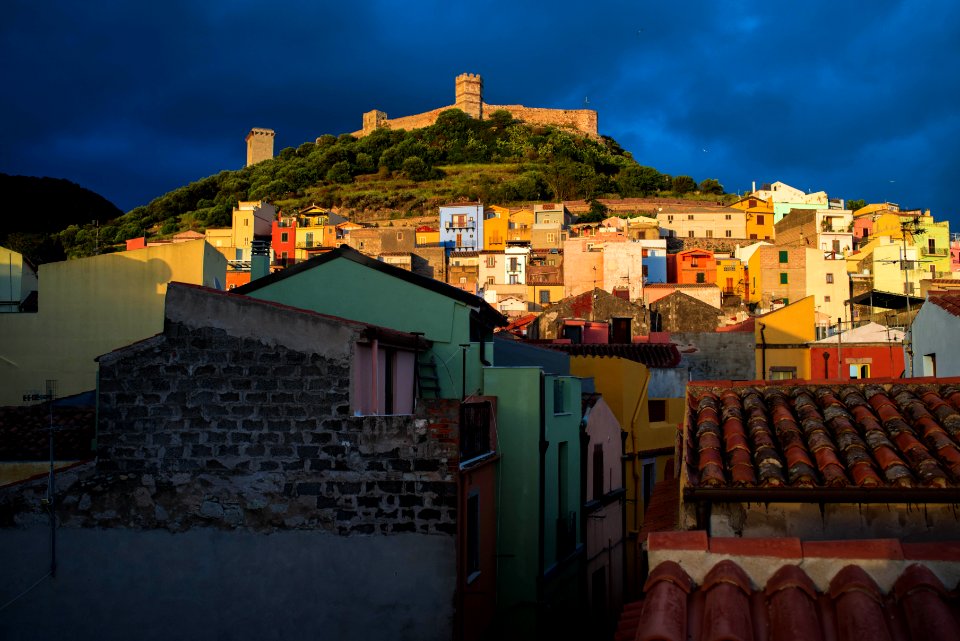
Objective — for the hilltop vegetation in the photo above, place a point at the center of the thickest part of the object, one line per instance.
(402, 173)
(38, 208)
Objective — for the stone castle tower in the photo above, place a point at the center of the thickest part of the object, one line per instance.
(469, 94)
(259, 145)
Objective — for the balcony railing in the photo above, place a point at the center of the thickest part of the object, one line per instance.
(940, 252)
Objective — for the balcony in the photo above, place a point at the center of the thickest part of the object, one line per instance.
(936, 252)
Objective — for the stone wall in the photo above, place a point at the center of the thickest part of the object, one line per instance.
(582, 120)
(205, 428)
(682, 313)
(469, 98)
(712, 356)
(715, 245)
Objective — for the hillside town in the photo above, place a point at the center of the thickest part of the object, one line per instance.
(542, 424)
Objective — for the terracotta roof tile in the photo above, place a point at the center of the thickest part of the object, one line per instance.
(898, 435)
(661, 512)
(24, 432)
(727, 606)
(650, 354)
(947, 302)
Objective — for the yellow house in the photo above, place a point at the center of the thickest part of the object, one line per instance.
(427, 236)
(496, 223)
(759, 217)
(782, 338)
(543, 294)
(222, 240)
(520, 224)
(650, 426)
(90, 306)
(731, 277)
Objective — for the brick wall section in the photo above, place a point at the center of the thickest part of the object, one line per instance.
(200, 427)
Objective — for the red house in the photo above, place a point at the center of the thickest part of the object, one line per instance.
(284, 241)
(868, 351)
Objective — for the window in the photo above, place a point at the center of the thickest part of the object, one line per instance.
(759, 219)
(514, 279)
(690, 234)
(753, 203)
(246, 222)
(728, 217)
(645, 270)
(649, 479)
(491, 261)
(753, 237)
(689, 216)
(859, 370)
(728, 233)
(392, 372)
(836, 246)
(782, 373)
(399, 235)
(513, 265)
(701, 277)
(308, 239)
(463, 280)
(826, 299)
(784, 256)
(670, 219)
(829, 279)
(598, 472)
(559, 402)
(284, 237)
(544, 296)
(551, 237)
(929, 365)
(473, 536)
(709, 233)
(475, 419)
(694, 261)
(490, 280)
(783, 278)
(932, 245)
(657, 409)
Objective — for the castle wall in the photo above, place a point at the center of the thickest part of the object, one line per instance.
(469, 99)
(583, 120)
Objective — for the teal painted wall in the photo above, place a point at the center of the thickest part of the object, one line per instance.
(518, 429)
(347, 289)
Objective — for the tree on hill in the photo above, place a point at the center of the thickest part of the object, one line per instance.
(710, 186)
(683, 184)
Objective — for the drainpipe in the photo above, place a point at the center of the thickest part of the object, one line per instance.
(463, 370)
(541, 508)
(840, 350)
(763, 352)
(826, 368)
(375, 375)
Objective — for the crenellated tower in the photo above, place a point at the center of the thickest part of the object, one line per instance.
(259, 145)
(469, 94)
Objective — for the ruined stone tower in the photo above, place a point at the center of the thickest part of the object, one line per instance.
(469, 87)
(259, 145)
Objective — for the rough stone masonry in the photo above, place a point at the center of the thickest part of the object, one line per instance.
(223, 424)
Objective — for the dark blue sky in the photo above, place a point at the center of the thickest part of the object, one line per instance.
(134, 99)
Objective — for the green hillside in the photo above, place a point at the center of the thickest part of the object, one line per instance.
(396, 174)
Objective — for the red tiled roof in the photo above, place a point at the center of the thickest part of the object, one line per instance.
(649, 354)
(661, 513)
(24, 433)
(743, 326)
(726, 605)
(895, 434)
(948, 302)
(679, 285)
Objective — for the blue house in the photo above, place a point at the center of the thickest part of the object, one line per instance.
(461, 227)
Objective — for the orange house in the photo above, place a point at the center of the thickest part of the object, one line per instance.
(692, 266)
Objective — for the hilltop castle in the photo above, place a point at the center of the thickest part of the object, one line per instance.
(469, 99)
